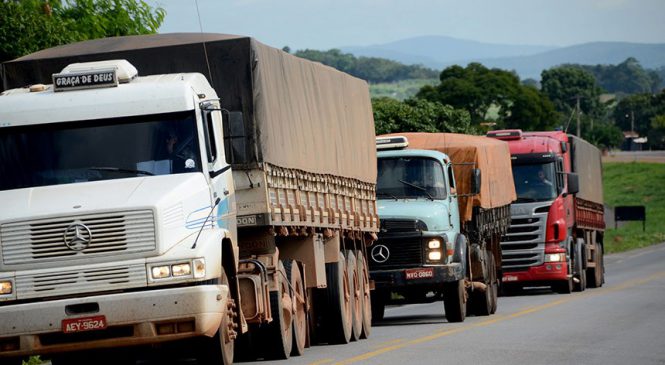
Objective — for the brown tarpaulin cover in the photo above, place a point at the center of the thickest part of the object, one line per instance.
(297, 114)
(489, 155)
(586, 162)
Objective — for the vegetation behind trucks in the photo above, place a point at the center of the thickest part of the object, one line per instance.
(556, 234)
(258, 234)
(444, 203)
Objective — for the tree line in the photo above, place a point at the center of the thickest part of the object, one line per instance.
(478, 98)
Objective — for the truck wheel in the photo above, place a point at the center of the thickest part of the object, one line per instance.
(595, 274)
(494, 284)
(354, 288)
(454, 300)
(299, 310)
(278, 334)
(579, 266)
(338, 297)
(481, 303)
(219, 349)
(365, 304)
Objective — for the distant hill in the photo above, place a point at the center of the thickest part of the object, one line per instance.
(651, 56)
(439, 52)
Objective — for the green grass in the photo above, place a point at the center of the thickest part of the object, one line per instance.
(400, 90)
(635, 184)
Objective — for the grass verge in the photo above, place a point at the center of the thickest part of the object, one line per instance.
(635, 184)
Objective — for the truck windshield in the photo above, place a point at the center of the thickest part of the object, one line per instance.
(80, 151)
(410, 177)
(535, 182)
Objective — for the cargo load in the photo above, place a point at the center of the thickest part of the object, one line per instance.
(587, 164)
(491, 156)
(297, 118)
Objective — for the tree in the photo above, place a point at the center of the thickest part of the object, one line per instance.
(415, 115)
(564, 84)
(372, 69)
(628, 77)
(531, 110)
(27, 26)
(657, 133)
(638, 110)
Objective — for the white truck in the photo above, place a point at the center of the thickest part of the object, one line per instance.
(229, 212)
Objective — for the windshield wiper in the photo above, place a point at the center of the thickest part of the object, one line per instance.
(117, 169)
(387, 194)
(417, 187)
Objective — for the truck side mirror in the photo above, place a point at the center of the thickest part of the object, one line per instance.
(475, 181)
(573, 183)
(234, 137)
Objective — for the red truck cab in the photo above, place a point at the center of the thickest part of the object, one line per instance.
(544, 246)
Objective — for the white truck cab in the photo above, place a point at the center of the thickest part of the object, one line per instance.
(116, 198)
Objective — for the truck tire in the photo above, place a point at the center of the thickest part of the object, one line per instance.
(580, 271)
(278, 335)
(338, 302)
(595, 274)
(354, 288)
(365, 303)
(219, 349)
(494, 284)
(481, 303)
(299, 307)
(454, 300)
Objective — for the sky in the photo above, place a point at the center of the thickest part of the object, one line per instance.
(325, 24)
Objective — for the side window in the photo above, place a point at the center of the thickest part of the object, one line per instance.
(559, 175)
(209, 134)
(451, 180)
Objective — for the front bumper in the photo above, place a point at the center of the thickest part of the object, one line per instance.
(547, 272)
(132, 319)
(397, 278)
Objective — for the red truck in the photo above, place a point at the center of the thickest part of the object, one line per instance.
(556, 233)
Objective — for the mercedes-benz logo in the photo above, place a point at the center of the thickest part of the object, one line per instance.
(77, 236)
(380, 254)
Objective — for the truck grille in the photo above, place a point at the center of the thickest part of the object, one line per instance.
(44, 240)
(65, 282)
(403, 253)
(523, 246)
(405, 225)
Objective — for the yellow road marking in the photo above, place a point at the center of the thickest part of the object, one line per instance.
(323, 361)
(392, 342)
(497, 318)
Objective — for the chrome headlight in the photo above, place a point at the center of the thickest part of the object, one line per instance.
(179, 270)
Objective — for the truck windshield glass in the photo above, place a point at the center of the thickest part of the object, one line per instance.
(71, 152)
(535, 182)
(410, 177)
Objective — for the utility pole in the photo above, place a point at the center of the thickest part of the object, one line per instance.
(577, 109)
(632, 121)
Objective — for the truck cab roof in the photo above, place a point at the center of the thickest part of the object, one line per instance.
(143, 96)
(414, 153)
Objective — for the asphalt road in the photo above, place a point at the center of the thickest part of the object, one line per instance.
(621, 323)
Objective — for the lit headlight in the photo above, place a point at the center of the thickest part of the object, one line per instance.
(181, 269)
(434, 255)
(555, 257)
(160, 272)
(434, 244)
(6, 287)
